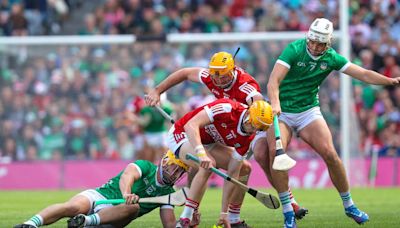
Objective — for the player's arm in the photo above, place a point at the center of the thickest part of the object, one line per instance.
(277, 75)
(153, 97)
(257, 97)
(167, 216)
(370, 76)
(128, 177)
(192, 129)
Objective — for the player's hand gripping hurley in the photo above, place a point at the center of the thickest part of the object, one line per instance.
(282, 161)
(177, 198)
(266, 199)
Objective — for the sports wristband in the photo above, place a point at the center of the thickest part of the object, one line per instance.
(199, 149)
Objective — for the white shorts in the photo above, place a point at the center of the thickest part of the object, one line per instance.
(156, 139)
(174, 141)
(93, 196)
(259, 135)
(298, 121)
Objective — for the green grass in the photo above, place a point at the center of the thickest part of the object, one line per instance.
(382, 205)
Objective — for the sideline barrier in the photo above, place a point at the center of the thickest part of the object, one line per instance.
(90, 174)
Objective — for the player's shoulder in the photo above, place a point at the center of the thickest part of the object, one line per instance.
(243, 76)
(144, 164)
(297, 46)
(203, 72)
(231, 104)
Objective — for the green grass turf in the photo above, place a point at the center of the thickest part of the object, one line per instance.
(382, 205)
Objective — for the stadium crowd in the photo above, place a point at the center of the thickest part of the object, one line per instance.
(69, 102)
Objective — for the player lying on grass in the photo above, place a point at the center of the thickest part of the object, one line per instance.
(226, 80)
(219, 133)
(293, 90)
(139, 179)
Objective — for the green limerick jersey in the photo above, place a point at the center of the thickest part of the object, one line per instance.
(157, 122)
(298, 91)
(144, 187)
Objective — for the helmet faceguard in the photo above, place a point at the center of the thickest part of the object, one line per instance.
(170, 169)
(319, 36)
(260, 115)
(221, 69)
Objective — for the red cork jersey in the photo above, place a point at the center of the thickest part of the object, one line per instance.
(226, 117)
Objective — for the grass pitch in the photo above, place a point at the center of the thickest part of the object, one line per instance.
(382, 205)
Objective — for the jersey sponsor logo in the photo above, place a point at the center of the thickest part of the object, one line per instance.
(213, 132)
(324, 66)
(214, 91)
(224, 125)
(246, 88)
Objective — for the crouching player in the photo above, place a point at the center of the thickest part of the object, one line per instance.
(139, 179)
(219, 133)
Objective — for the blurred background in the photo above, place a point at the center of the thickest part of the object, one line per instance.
(62, 104)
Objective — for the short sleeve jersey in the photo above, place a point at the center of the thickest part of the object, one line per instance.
(157, 121)
(243, 88)
(146, 186)
(298, 91)
(226, 117)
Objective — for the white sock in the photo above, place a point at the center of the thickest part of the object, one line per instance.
(346, 198)
(93, 219)
(187, 212)
(285, 200)
(189, 208)
(234, 213)
(36, 220)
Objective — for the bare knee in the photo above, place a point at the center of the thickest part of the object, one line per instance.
(72, 209)
(245, 169)
(331, 158)
(261, 158)
(130, 211)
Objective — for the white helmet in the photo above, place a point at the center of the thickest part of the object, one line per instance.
(321, 31)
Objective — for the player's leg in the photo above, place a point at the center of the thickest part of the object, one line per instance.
(79, 204)
(198, 187)
(280, 179)
(260, 149)
(222, 155)
(318, 136)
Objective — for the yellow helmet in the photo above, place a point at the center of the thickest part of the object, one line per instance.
(260, 115)
(171, 159)
(170, 169)
(221, 63)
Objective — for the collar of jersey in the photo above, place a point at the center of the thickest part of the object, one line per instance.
(311, 56)
(234, 80)
(239, 128)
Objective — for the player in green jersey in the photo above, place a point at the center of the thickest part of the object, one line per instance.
(293, 90)
(139, 179)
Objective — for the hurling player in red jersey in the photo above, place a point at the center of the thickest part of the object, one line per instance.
(220, 134)
(225, 80)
